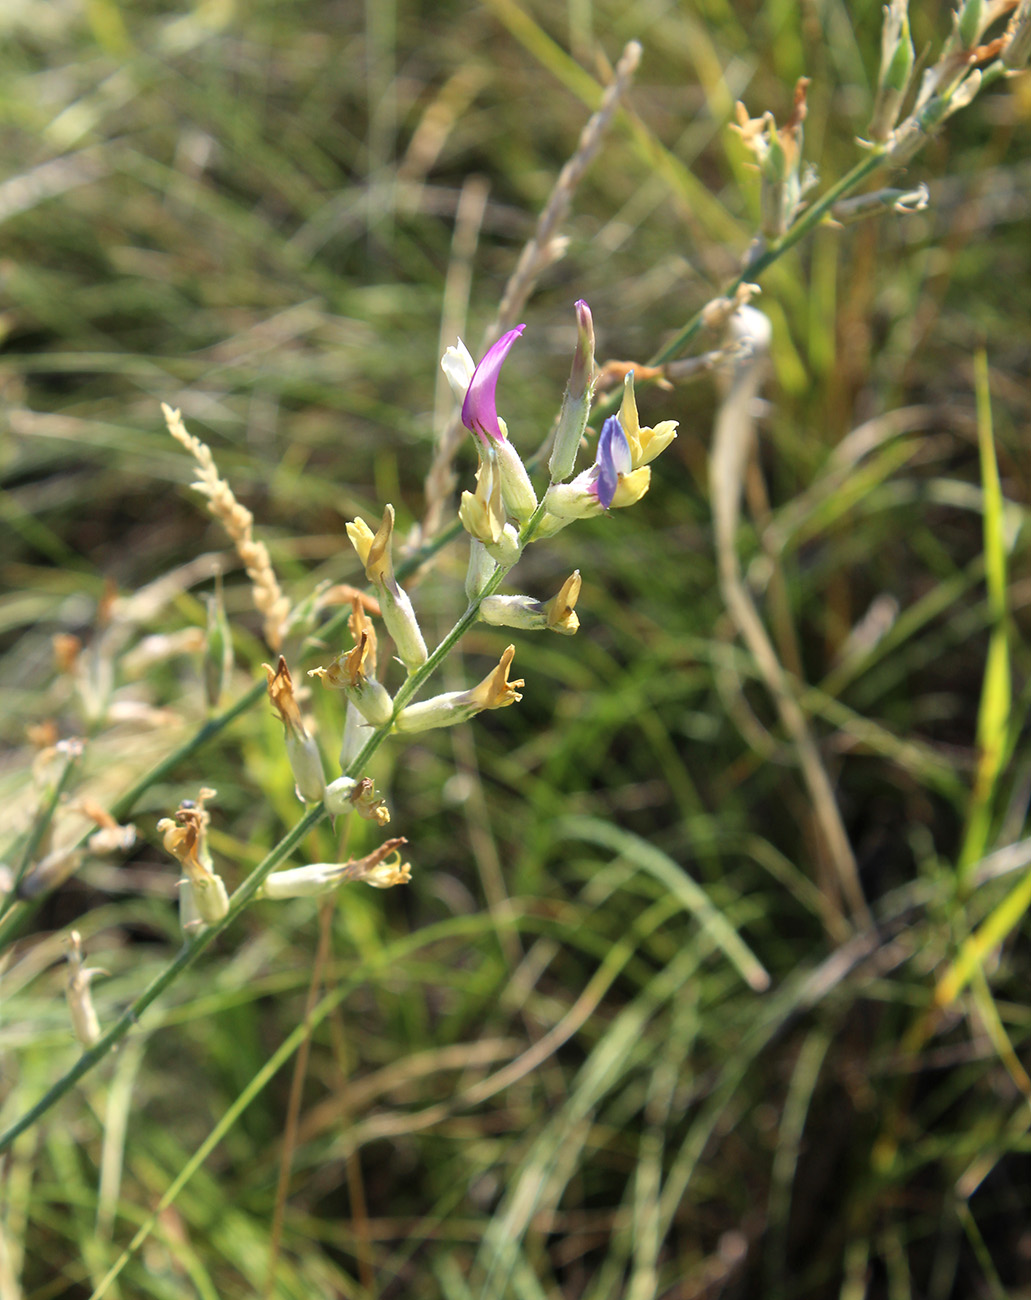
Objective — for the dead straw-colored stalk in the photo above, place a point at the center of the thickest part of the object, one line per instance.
(546, 246)
(543, 249)
(238, 522)
(733, 440)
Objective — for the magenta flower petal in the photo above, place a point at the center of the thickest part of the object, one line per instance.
(612, 460)
(479, 410)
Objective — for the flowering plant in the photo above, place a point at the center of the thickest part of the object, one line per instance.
(599, 458)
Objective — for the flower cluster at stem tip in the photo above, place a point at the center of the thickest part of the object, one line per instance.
(502, 516)
(619, 476)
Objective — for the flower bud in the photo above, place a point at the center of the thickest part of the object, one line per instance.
(403, 626)
(516, 489)
(372, 700)
(306, 765)
(896, 69)
(514, 611)
(480, 570)
(1017, 48)
(969, 21)
(301, 749)
(445, 710)
(576, 405)
(303, 882)
(375, 553)
(507, 550)
(356, 733)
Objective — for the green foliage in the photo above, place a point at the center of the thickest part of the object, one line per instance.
(537, 1070)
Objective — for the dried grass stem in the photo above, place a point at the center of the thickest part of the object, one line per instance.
(544, 248)
(238, 522)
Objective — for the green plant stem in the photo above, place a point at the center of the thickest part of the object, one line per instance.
(186, 956)
(192, 949)
(46, 815)
(20, 910)
(268, 1071)
(418, 678)
(754, 267)
(809, 220)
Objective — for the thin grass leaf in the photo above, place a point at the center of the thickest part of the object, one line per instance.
(993, 717)
(691, 896)
(990, 933)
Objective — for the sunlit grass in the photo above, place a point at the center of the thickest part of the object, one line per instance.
(539, 1070)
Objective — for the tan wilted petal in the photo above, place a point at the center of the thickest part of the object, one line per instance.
(359, 623)
(67, 649)
(496, 691)
(368, 802)
(110, 837)
(383, 868)
(281, 693)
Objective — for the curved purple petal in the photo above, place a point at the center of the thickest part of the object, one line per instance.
(612, 460)
(479, 410)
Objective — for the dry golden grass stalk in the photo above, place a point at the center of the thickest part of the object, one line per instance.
(238, 522)
(546, 247)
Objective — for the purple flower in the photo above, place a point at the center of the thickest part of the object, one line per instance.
(612, 460)
(479, 410)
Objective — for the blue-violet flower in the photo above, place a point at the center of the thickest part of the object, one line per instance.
(612, 461)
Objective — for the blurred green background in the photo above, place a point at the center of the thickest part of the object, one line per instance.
(541, 1079)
